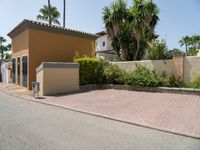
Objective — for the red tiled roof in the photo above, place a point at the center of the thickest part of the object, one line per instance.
(25, 24)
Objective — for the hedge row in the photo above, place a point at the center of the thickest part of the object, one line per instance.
(99, 71)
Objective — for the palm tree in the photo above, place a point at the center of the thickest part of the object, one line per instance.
(54, 15)
(49, 12)
(2, 40)
(185, 41)
(4, 48)
(144, 19)
(195, 41)
(64, 12)
(114, 18)
(137, 23)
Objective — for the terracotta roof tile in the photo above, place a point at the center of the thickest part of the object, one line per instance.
(47, 27)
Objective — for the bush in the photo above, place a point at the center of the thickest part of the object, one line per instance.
(142, 77)
(158, 50)
(171, 81)
(91, 70)
(99, 71)
(196, 83)
(114, 75)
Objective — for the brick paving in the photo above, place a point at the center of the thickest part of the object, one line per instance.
(174, 113)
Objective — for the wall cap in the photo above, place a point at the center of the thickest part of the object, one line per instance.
(56, 65)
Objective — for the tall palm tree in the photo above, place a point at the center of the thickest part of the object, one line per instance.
(49, 12)
(137, 23)
(185, 41)
(144, 19)
(44, 14)
(195, 41)
(2, 40)
(114, 18)
(64, 12)
(4, 48)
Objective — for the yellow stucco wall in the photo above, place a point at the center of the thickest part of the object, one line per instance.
(54, 47)
(20, 47)
(42, 46)
(58, 80)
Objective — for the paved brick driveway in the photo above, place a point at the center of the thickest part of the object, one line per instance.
(174, 113)
(169, 112)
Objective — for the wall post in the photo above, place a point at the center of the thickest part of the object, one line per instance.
(178, 66)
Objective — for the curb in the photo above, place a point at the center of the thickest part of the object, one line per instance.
(188, 91)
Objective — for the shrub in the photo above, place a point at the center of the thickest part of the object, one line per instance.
(99, 71)
(114, 75)
(158, 50)
(196, 83)
(142, 77)
(91, 70)
(171, 81)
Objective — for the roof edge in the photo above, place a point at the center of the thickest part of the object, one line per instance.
(29, 24)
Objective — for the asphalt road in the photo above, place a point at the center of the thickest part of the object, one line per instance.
(27, 125)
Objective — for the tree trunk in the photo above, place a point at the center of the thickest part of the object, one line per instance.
(137, 51)
(186, 48)
(64, 12)
(49, 12)
(126, 54)
(1, 50)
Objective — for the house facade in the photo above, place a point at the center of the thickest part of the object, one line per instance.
(34, 42)
(198, 54)
(104, 47)
(5, 72)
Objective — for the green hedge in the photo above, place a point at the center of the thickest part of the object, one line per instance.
(99, 71)
(196, 83)
(91, 70)
(142, 77)
(114, 75)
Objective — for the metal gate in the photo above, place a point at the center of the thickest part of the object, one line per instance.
(25, 70)
(18, 70)
(0, 73)
(13, 70)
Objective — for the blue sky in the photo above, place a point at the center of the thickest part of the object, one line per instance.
(177, 17)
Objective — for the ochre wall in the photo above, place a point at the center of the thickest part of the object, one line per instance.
(58, 80)
(40, 79)
(20, 47)
(53, 47)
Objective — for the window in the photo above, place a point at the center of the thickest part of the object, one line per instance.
(104, 44)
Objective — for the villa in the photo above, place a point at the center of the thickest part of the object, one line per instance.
(104, 47)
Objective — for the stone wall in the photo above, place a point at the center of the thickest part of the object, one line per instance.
(184, 68)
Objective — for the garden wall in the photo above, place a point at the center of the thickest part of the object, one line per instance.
(184, 68)
(161, 66)
(191, 68)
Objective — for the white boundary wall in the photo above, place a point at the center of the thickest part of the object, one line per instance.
(185, 68)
